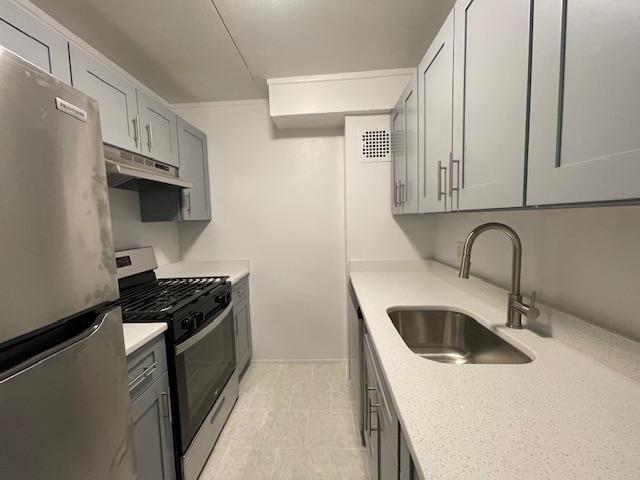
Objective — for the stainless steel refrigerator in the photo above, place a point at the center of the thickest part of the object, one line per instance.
(64, 399)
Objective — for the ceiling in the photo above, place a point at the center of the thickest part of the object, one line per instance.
(208, 50)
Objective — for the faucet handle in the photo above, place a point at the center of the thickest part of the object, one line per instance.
(532, 311)
(533, 299)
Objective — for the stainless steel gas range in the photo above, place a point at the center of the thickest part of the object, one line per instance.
(200, 349)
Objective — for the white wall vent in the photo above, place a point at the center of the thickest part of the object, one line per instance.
(375, 145)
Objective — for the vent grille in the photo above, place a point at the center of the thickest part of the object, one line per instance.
(375, 144)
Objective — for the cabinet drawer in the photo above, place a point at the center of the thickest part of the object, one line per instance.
(241, 289)
(145, 366)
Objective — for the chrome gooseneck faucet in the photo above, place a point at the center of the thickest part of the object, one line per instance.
(516, 308)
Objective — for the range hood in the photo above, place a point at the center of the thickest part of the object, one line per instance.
(132, 171)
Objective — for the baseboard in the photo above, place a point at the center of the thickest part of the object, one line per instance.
(298, 360)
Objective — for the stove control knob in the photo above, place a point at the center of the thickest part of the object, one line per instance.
(222, 298)
(188, 323)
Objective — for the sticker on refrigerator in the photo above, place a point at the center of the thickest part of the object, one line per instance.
(71, 109)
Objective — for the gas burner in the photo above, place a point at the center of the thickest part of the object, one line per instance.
(160, 297)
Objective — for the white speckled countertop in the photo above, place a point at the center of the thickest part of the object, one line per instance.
(138, 334)
(572, 413)
(234, 269)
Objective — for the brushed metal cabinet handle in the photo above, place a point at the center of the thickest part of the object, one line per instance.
(136, 130)
(167, 400)
(395, 194)
(453, 162)
(368, 418)
(441, 193)
(373, 408)
(146, 371)
(149, 136)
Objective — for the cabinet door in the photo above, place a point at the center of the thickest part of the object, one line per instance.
(115, 95)
(584, 144)
(152, 432)
(194, 167)
(404, 469)
(243, 332)
(372, 404)
(159, 130)
(435, 93)
(491, 74)
(355, 358)
(409, 186)
(34, 41)
(372, 415)
(388, 438)
(397, 156)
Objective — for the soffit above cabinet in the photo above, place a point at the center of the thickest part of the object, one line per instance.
(323, 101)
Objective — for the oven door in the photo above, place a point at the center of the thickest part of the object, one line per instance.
(204, 362)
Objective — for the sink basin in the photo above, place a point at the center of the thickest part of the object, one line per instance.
(451, 337)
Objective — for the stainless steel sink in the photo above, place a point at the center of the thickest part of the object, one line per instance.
(451, 337)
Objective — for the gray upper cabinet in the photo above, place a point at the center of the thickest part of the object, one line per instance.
(159, 130)
(153, 439)
(404, 153)
(194, 167)
(397, 157)
(33, 40)
(410, 124)
(435, 94)
(490, 97)
(584, 144)
(115, 95)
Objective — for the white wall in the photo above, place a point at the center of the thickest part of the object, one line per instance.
(372, 232)
(584, 260)
(130, 232)
(278, 200)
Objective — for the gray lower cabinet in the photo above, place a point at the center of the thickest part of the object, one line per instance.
(151, 411)
(194, 167)
(389, 455)
(152, 432)
(242, 323)
(381, 422)
(371, 416)
(406, 468)
(356, 367)
(33, 40)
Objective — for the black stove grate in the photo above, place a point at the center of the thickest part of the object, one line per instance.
(164, 296)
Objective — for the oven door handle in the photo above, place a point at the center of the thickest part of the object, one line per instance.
(191, 341)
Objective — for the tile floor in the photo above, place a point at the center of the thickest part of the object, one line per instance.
(292, 421)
